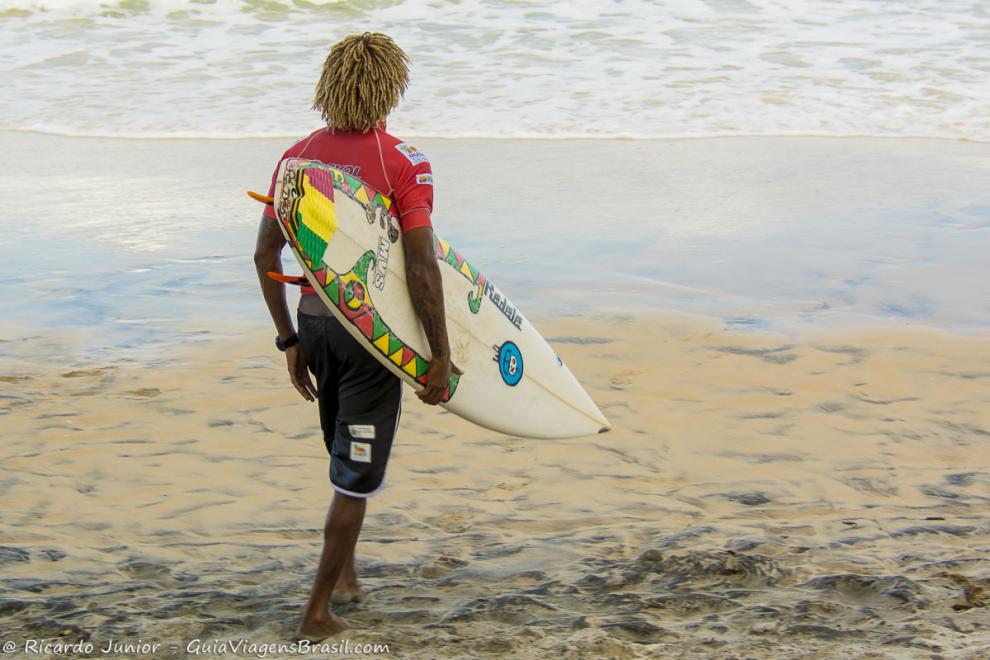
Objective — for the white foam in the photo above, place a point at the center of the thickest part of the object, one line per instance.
(489, 68)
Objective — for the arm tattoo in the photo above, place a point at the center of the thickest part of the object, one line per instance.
(426, 292)
(271, 233)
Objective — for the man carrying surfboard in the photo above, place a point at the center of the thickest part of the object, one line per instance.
(362, 80)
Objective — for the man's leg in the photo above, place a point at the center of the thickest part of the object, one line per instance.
(340, 534)
(348, 589)
(367, 407)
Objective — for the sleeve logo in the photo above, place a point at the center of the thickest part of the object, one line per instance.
(414, 155)
(425, 179)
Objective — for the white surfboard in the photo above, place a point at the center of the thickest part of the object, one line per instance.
(345, 235)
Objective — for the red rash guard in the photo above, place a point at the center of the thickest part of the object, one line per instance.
(394, 168)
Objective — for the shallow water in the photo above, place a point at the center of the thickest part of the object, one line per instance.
(143, 245)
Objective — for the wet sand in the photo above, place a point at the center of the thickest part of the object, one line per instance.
(134, 241)
(761, 495)
(785, 478)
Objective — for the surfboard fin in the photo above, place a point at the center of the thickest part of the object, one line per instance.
(258, 197)
(298, 280)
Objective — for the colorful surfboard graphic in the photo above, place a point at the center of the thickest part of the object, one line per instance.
(310, 220)
(451, 256)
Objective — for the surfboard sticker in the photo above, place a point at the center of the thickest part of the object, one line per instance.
(510, 363)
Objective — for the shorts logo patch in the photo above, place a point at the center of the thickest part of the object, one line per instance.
(361, 452)
(414, 155)
(363, 431)
(425, 179)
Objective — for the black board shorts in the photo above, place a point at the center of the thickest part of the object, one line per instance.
(360, 402)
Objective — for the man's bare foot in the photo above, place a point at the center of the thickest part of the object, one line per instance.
(316, 630)
(347, 591)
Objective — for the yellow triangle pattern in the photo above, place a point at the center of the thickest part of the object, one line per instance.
(410, 367)
(361, 195)
(397, 357)
(382, 344)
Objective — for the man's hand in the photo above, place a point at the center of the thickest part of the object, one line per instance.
(299, 373)
(437, 380)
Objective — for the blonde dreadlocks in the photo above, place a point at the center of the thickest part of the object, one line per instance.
(362, 80)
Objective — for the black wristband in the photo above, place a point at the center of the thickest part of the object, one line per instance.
(288, 343)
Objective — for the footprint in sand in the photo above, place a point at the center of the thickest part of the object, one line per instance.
(622, 379)
(148, 572)
(974, 594)
(144, 392)
(514, 484)
(84, 373)
(286, 533)
(441, 566)
(452, 522)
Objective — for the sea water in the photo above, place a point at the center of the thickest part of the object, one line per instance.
(134, 238)
(506, 68)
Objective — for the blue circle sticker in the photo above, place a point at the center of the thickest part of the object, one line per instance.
(510, 363)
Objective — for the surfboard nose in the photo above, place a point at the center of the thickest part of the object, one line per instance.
(594, 419)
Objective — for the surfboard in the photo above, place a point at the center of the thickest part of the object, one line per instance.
(346, 237)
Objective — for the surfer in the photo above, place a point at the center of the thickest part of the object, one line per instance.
(359, 400)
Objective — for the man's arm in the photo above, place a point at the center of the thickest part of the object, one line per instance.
(426, 292)
(268, 257)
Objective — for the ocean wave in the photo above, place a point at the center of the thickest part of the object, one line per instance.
(633, 69)
(110, 135)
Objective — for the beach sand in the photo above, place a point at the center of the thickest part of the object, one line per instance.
(760, 495)
(798, 468)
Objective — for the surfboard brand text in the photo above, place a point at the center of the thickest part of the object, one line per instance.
(381, 262)
(502, 303)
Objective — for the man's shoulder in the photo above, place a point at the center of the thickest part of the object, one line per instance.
(300, 144)
(402, 152)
